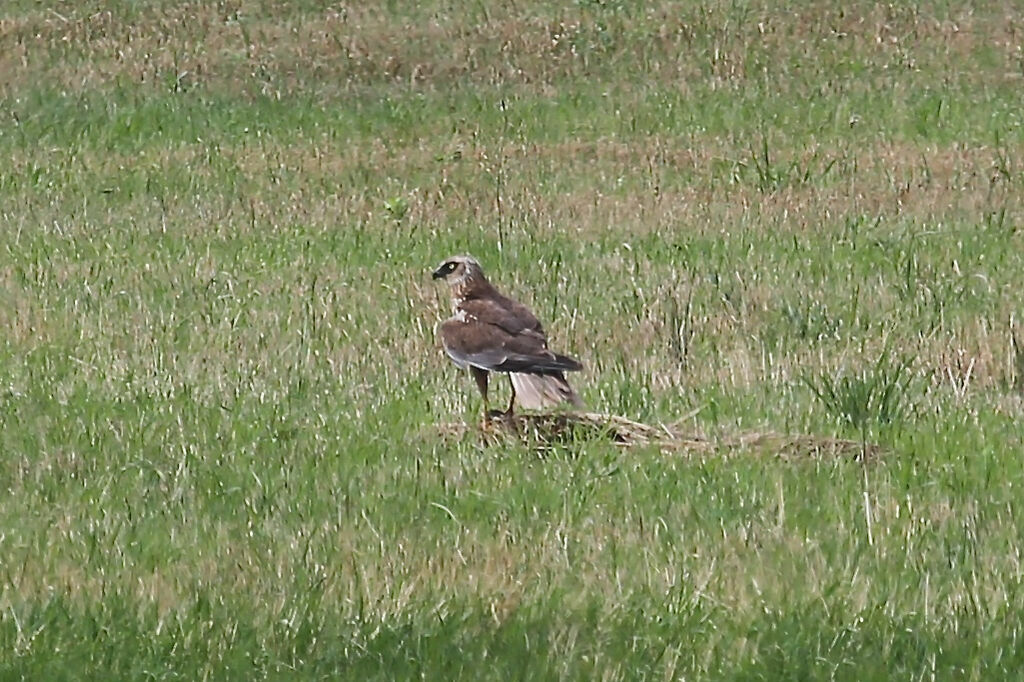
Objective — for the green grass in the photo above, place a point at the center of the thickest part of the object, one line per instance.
(220, 389)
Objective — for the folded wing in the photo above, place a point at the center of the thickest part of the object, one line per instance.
(494, 349)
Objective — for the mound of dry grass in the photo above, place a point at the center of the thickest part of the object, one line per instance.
(544, 431)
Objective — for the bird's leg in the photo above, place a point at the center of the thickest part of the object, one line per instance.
(481, 382)
(511, 401)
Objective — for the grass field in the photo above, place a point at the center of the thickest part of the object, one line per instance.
(221, 393)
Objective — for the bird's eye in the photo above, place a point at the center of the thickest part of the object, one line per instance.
(449, 266)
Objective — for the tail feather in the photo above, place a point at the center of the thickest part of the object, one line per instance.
(541, 391)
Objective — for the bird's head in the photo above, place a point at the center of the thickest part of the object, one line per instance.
(458, 270)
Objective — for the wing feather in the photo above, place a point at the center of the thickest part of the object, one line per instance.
(504, 313)
(490, 347)
(495, 333)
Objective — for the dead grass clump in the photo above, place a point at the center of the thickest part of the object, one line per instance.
(547, 430)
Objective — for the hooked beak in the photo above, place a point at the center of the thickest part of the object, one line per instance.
(438, 274)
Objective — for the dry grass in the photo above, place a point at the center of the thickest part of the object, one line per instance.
(543, 432)
(240, 45)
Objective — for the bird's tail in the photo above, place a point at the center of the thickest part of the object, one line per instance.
(540, 391)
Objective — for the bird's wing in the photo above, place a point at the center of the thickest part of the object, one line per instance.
(489, 346)
(509, 315)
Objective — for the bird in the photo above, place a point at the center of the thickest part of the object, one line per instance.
(490, 332)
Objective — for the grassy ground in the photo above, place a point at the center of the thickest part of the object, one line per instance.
(220, 386)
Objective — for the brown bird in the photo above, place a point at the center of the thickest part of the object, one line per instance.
(490, 332)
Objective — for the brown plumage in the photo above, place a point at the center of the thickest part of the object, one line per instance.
(490, 332)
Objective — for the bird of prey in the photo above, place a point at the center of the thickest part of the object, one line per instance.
(490, 332)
